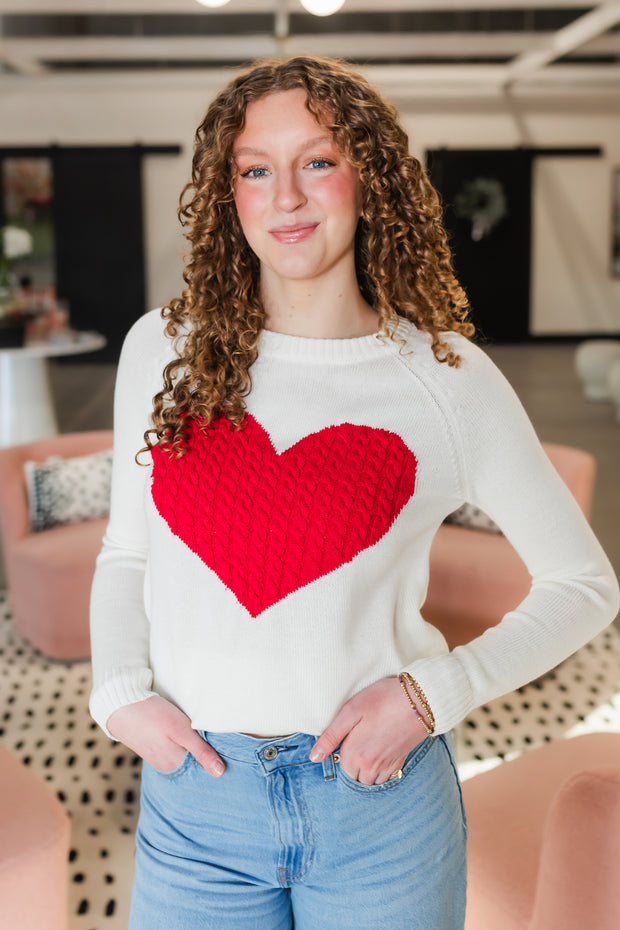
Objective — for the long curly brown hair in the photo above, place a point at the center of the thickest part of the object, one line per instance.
(403, 262)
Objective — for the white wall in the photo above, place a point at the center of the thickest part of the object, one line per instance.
(572, 291)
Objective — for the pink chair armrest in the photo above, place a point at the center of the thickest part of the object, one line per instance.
(579, 874)
(518, 839)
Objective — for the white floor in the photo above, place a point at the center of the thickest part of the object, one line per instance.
(44, 721)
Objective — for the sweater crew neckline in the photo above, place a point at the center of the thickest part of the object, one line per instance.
(306, 348)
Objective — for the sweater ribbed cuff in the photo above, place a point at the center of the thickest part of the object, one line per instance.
(447, 687)
(121, 686)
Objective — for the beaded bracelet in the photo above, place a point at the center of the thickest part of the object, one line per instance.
(417, 690)
(406, 679)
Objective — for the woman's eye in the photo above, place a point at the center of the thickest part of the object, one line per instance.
(321, 163)
(254, 173)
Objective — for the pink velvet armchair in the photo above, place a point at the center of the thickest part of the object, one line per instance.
(476, 577)
(544, 839)
(49, 573)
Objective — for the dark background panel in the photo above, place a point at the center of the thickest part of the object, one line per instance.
(494, 271)
(99, 239)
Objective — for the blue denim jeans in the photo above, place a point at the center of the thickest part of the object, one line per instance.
(280, 842)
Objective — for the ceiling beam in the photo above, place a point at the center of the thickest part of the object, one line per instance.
(564, 41)
(405, 80)
(407, 86)
(137, 48)
(29, 56)
(349, 45)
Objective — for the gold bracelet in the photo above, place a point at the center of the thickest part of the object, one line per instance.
(417, 690)
(430, 728)
(421, 697)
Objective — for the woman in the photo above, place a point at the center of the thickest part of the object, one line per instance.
(256, 624)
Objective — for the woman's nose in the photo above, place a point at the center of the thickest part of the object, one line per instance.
(289, 193)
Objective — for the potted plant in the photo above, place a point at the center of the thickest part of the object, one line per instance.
(14, 243)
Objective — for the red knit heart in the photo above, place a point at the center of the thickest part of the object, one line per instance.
(268, 523)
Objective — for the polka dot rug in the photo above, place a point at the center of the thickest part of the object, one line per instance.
(44, 721)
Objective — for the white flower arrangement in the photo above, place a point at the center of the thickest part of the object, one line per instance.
(16, 242)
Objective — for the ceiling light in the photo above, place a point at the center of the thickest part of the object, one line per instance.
(213, 2)
(322, 7)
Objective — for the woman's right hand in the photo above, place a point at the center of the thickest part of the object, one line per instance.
(161, 733)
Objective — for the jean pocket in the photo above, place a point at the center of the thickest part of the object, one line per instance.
(178, 770)
(393, 784)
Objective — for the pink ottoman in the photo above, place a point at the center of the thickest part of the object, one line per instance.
(34, 846)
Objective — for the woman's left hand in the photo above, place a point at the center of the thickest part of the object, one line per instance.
(376, 730)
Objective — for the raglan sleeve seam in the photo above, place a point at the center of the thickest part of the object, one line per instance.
(440, 401)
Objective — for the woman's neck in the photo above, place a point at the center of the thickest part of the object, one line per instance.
(317, 311)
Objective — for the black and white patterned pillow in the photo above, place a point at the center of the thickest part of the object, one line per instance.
(473, 518)
(71, 490)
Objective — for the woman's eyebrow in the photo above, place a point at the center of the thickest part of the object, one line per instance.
(306, 144)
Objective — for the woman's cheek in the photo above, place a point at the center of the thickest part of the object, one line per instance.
(249, 204)
(343, 191)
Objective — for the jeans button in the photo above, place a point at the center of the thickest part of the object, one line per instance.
(270, 753)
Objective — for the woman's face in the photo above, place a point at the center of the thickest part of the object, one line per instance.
(298, 199)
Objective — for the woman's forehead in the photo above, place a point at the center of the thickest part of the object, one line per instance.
(281, 114)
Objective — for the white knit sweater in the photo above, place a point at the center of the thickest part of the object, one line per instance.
(269, 574)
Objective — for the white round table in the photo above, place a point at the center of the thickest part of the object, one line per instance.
(26, 403)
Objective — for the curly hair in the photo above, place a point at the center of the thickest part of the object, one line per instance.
(403, 263)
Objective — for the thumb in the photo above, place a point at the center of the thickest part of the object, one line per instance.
(205, 755)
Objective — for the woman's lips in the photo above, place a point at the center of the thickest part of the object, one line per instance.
(292, 234)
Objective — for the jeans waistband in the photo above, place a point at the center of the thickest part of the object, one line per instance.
(268, 754)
